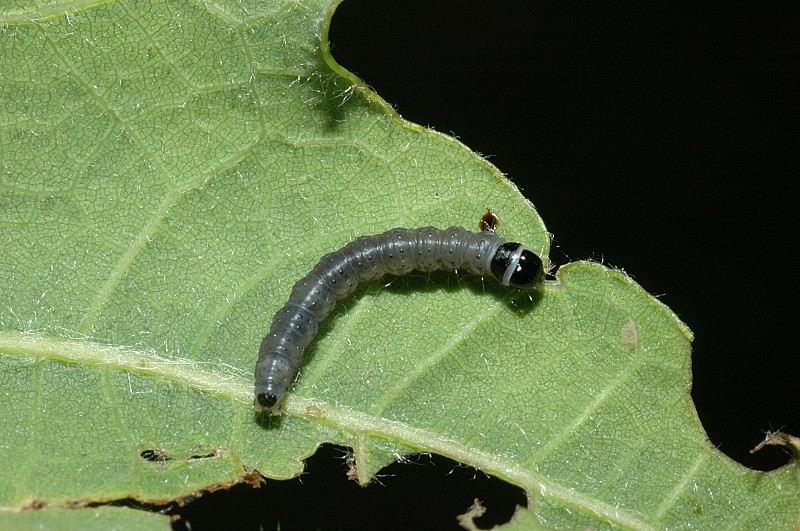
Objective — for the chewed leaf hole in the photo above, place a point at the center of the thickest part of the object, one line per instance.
(423, 492)
(155, 455)
(213, 454)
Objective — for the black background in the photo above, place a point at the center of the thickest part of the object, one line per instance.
(658, 138)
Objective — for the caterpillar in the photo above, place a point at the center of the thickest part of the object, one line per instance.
(394, 252)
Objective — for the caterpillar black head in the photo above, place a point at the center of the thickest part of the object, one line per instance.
(513, 265)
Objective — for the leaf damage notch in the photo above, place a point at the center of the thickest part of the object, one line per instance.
(467, 520)
(778, 438)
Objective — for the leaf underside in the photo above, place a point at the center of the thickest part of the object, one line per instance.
(169, 169)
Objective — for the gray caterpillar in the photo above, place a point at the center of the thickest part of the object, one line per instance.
(394, 252)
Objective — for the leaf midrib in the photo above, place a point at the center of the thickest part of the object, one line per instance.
(194, 374)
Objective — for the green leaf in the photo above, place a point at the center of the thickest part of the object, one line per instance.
(80, 520)
(169, 170)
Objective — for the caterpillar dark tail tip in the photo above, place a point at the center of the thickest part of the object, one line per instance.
(267, 401)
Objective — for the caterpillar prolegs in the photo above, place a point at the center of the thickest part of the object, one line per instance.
(394, 252)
